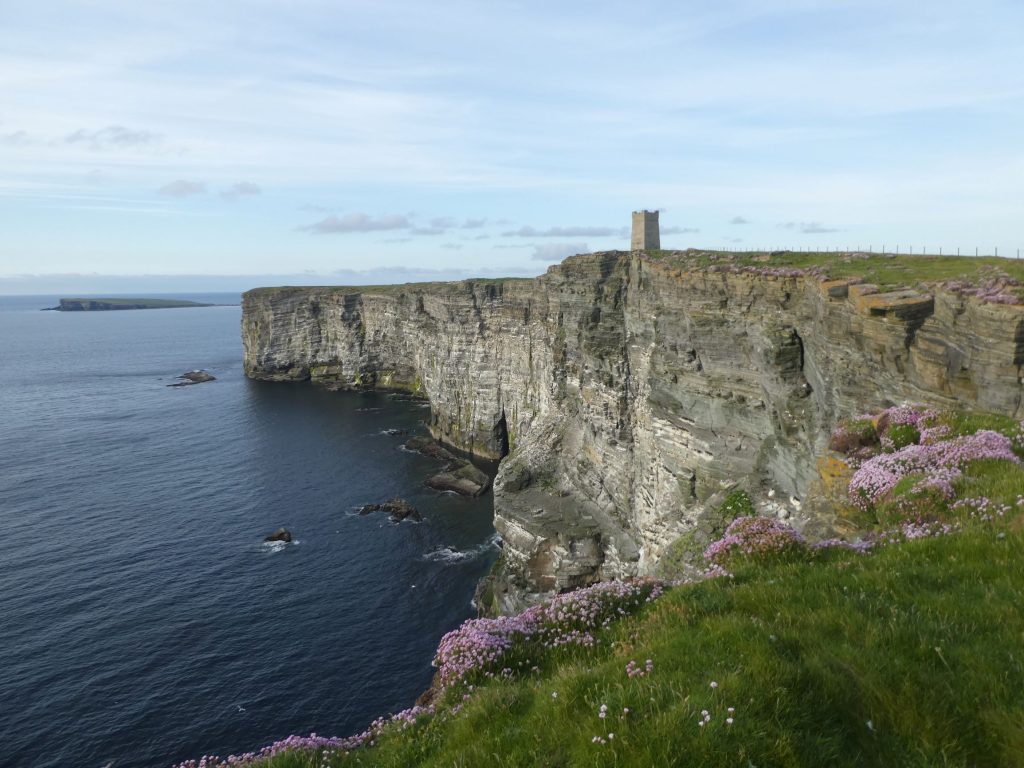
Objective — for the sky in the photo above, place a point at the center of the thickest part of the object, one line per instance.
(190, 145)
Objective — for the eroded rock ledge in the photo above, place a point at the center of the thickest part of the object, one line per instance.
(630, 396)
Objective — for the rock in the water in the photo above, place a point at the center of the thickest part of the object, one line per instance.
(395, 432)
(281, 534)
(429, 447)
(458, 475)
(398, 509)
(193, 377)
(462, 477)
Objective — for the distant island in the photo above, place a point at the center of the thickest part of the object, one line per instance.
(103, 305)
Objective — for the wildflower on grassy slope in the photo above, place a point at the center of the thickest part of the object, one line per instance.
(755, 537)
(941, 463)
(570, 619)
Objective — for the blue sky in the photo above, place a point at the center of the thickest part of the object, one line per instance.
(235, 144)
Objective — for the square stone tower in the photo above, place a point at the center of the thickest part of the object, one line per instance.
(646, 234)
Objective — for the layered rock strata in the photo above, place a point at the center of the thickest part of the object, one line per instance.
(628, 396)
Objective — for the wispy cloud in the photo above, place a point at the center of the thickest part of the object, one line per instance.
(809, 227)
(183, 188)
(739, 220)
(568, 232)
(357, 222)
(241, 189)
(679, 230)
(557, 251)
(16, 139)
(113, 137)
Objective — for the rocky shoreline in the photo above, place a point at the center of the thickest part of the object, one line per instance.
(628, 396)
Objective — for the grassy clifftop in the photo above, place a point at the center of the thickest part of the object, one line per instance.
(910, 657)
(899, 648)
(986, 276)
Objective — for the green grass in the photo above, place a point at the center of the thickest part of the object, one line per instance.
(884, 270)
(889, 270)
(910, 656)
(913, 656)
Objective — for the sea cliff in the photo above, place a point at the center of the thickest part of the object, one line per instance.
(630, 393)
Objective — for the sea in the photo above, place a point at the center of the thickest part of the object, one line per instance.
(143, 619)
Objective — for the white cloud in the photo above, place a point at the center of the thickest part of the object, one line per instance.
(113, 137)
(809, 227)
(241, 189)
(183, 188)
(357, 222)
(568, 232)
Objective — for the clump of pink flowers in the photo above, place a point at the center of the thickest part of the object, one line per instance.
(481, 647)
(634, 670)
(906, 441)
(941, 464)
(997, 288)
(755, 537)
(313, 743)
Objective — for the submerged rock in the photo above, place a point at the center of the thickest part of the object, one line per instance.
(397, 509)
(465, 479)
(429, 447)
(197, 376)
(281, 534)
(459, 475)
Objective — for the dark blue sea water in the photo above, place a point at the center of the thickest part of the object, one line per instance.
(142, 619)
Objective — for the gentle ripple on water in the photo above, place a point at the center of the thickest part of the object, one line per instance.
(143, 620)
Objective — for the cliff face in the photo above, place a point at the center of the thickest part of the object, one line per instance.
(631, 396)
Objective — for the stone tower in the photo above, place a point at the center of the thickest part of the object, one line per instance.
(646, 235)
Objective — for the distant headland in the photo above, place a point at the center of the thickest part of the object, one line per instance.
(104, 305)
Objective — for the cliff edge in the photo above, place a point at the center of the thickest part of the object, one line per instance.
(630, 393)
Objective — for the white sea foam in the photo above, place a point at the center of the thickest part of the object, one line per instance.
(452, 555)
(278, 546)
(449, 555)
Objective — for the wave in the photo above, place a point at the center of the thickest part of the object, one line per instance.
(277, 546)
(452, 555)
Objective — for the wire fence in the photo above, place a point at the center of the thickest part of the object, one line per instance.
(897, 250)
